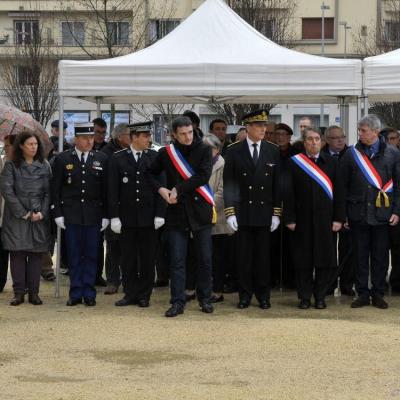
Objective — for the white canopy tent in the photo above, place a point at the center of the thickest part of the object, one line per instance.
(214, 55)
(382, 77)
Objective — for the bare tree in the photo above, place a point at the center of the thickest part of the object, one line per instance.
(273, 19)
(378, 38)
(29, 71)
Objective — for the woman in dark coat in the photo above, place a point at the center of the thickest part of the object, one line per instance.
(313, 216)
(25, 186)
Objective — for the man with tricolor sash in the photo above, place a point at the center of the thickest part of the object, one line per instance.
(371, 173)
(314, 210)
(253, 207)
(187, 162)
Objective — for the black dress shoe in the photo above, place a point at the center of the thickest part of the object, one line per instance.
(90, 302)
(17, 300)
(73, 302)
(217, 299)
(125, 302)
(320, 304)
(360, 302)
(190, 297)
(101, 282)
(174, 311)
(304, 304)
(35, 300)
(143, 303)
(378, 302)
(243, 304)
(264, 304)
(161, 283)
(207, 308)
(49, 276)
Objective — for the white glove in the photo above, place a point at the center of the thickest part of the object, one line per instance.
(275, 222)
(158, 222)
(232, 222)
(104, 223)
(60, 222)
(116, 225)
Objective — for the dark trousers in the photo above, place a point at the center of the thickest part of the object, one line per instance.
(100, 257)
(254, 263)
(307, 285)
(371, 246)
(3, 265)
(83, 249)
(178, 244)
(395, 257)
(220, 246)
(138, 249)
(191, 266)
(162, 255)
(113, 262)
(25, 271)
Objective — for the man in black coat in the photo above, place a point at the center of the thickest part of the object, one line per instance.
(79, 207)
(252, 207)
(314, 209)
(336, 147)
(120, 139)
(188, 212)
(136, 211)
(372, 206)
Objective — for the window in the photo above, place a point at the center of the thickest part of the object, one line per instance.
(161, 27)
(118, 33)
(73, 33)
(120, 117)
(392, 31)
(26, 31)
(267, 28)
(312, 28)
(26, 75)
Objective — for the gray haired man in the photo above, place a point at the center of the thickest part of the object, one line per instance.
(371, 173)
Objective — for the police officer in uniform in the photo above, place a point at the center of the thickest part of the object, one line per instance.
(136, 211)
(252, 207)
(79, 192)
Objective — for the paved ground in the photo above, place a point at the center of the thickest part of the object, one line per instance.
(59, 353)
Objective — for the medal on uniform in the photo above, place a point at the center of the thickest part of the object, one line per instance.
(125, 179)
(69, 180)
(69, 167)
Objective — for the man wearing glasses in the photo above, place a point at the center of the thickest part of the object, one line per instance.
(336, 146)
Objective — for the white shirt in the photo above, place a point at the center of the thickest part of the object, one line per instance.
(79, 153)
(251, 148)
(135, 153)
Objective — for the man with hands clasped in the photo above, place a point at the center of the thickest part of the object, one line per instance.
(79, 206)
(136, 211)
(252, 207)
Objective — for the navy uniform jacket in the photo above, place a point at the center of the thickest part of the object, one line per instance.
(251, 193)
(79, 192)
(132, 195)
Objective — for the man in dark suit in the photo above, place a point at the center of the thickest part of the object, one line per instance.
(314, 209)
(79, 194)
(136, 211)
(120, 139)
(371, 174)
(252, 207)
(188, 212)
(336, 147)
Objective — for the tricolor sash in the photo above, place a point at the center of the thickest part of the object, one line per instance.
(315, 173)
(373, 177)
(186, 172)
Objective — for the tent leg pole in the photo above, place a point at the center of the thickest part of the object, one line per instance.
(60, 149)
(98, 107)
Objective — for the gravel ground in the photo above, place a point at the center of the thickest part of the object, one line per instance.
(61, 353)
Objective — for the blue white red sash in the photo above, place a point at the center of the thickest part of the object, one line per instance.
(186, 172)
(314, 172)
(372, 176)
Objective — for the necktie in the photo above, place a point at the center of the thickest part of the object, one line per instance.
(83, 158)
(312, 158)
(138, 156)
(255, 153)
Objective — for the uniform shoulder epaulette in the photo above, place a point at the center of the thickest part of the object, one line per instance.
(272, 143)
(120, 151)
(237, 141)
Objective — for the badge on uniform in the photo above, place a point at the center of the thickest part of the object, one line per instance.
(69, 180)
(271, 165)
(125, 179)
(69, 167)
(96, 164)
